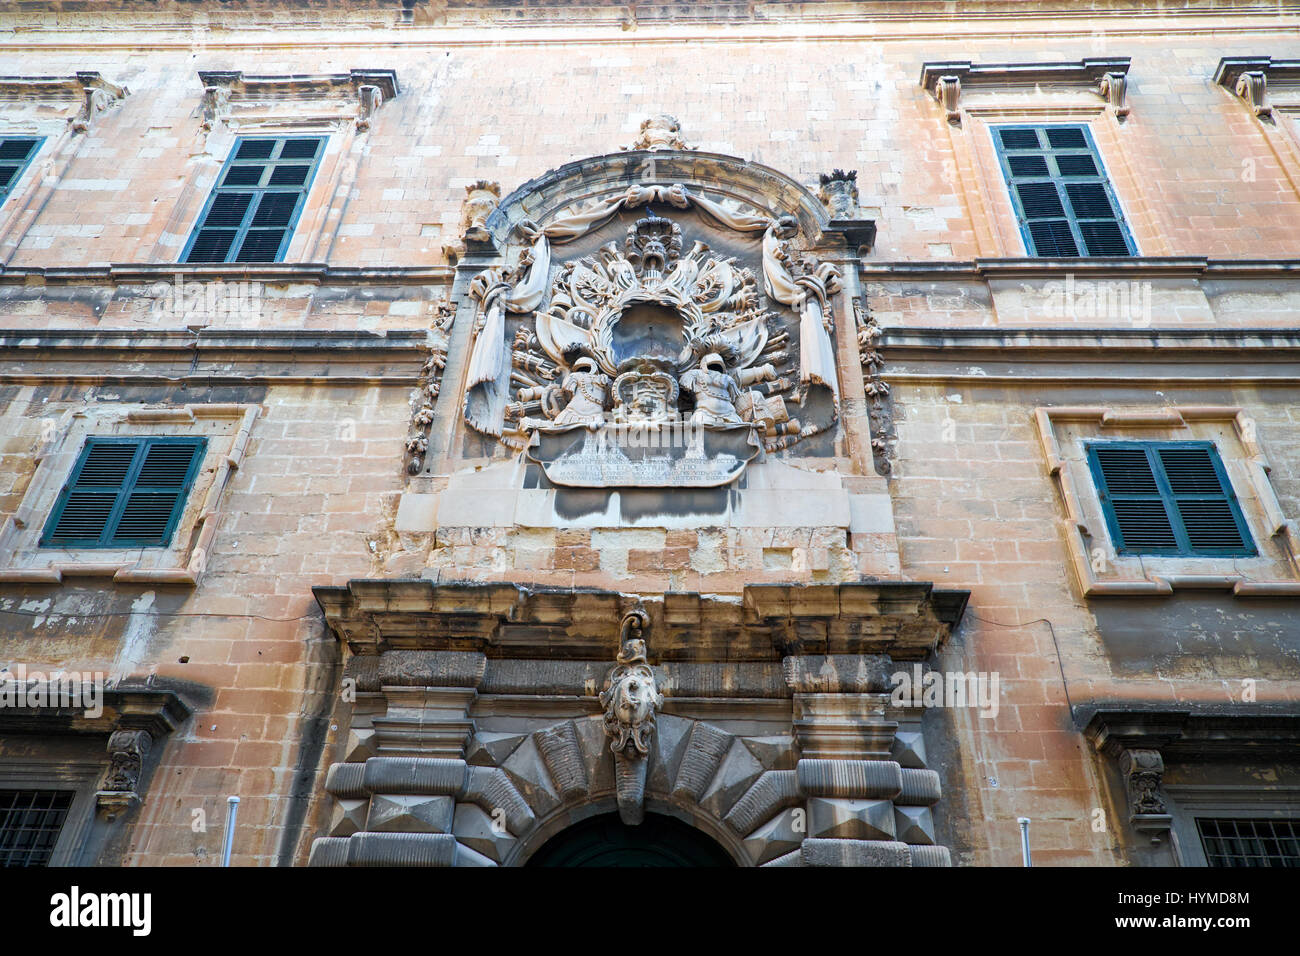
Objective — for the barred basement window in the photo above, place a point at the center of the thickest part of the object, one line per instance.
(252, 212)
(1251, 842)
(15, 154)
(1063, 200)
(30, 821)
(125, 492)
(1169, 498)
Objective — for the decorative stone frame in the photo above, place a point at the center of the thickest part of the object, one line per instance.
(79, 776)
(1144, 743)
(338, 106)
(61, 109)
(23, 560)
(978, 96)
(1097, 570)
(1107, 78)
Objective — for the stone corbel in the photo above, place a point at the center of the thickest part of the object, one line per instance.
(127, 750)
(947, 91)
(1113, 88)
(1252, 78)
(96, 94)
(630, 699)
(1143, 771)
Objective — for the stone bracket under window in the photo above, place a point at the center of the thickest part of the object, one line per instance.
(134, 717)
(90, 91)
(1107, 77)
(238, 98)
(1250, 77)
(1082, 539)
(1141, 742)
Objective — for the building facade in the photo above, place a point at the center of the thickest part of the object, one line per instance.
(582, 433)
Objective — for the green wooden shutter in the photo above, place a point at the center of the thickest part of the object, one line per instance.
(1169, 498)
(1059, 188)
(15, 153)
(253, 209)
(125, 492)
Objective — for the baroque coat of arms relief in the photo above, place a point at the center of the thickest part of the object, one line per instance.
(660, 363)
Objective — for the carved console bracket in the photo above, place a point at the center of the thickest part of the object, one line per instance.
(96, 94)
(356, 95)
(1142, 742)
(838, 191)
(630, 700)
(1107, 77)
(1249, 77)
(132, 717)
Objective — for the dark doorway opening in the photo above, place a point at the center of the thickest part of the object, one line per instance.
(608, 841)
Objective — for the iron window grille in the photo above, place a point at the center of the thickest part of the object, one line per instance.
(30, 822)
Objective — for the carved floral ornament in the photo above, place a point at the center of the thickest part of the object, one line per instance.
(660, 334)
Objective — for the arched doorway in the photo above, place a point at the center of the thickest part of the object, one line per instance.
(606, 840)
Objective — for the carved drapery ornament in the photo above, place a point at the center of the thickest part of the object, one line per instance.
(631, 698)
(620, 336)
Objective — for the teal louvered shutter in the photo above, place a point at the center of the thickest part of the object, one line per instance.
(125, 492)
(1170, 498)
(1063, 200)
(16, 152)
(253, 209)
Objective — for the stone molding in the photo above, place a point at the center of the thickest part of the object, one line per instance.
(243, 99)
(182, 564)
(946, 80)
(906, 620)
(1252, 77)
(88, 90)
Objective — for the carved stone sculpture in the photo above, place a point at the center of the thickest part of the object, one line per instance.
(631, 698)
(127, 750)
(660, 132)
(839, 193)
(481, 200)
(621, 335)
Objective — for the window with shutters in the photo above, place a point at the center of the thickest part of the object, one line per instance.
(1168, 498)
(125, 492)
(1062, 198)
(16, 153)
(260, 194)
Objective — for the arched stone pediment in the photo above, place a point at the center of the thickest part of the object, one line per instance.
(728, 178)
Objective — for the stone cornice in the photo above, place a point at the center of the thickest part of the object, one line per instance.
(1107, 77)
(906, 620)
(1221, 730)
(289, 273)
(1117, 267)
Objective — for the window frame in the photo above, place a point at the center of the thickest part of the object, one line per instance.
(8, 190)
(80, 775)
(241, 233)
(1072, 220)
(1168, 499)
(142, 444)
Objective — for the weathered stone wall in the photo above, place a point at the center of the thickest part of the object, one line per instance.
(321, 495)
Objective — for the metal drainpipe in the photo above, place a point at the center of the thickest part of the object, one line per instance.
(1024, 840)
(232, 813)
